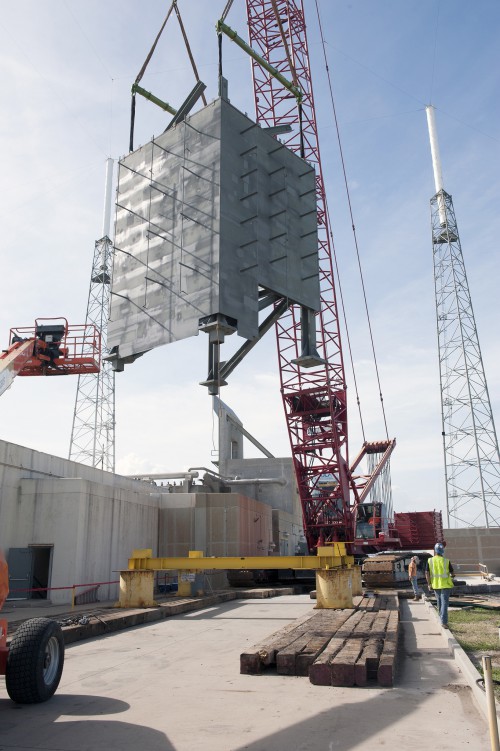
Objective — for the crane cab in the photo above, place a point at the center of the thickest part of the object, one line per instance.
(370, 519)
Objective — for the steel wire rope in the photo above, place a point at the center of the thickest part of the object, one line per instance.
(141, 73)
(175, 7)
(341, 152)
(188, 48)
(404, 91)
(348, 337)
(433, 72)
(226, 10)
(467, 125)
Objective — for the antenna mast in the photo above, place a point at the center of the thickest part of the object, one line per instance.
(472, 459)
(93, 430)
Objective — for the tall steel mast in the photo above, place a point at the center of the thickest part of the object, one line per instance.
(472, 458)
(93, 430)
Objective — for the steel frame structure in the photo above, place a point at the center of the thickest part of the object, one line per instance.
(314, 399)
(93, 428)
(470, 443)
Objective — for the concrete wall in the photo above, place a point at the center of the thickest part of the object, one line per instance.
(91, 519)
(216, 523)
(283, 497)
(93, 528)
(224, 524)
(474, 545)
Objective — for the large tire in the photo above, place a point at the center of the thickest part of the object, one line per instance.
(35, 661)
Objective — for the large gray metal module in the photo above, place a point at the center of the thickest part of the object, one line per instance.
(209, 213)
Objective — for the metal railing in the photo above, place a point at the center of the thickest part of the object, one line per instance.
(88, 596)
(472, 569)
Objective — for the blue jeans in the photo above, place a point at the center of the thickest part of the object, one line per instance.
(442, 600)
(414, 584)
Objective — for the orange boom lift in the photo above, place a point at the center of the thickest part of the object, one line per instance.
(51, 347)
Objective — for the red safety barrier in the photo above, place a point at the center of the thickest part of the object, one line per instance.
(91, 587)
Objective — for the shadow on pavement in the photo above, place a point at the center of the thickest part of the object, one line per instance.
(46, 726)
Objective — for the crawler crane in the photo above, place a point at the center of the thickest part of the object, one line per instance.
(314, 396)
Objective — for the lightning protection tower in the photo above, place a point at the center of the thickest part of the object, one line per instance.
(472, 460)
(93, 430)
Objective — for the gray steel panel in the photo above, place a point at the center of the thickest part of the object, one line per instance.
(206, 213)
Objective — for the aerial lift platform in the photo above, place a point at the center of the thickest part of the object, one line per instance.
(51, 347)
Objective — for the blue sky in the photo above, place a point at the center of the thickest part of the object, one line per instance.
(67, 71)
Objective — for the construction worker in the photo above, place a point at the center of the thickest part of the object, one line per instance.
(439, 573)
(413, 576)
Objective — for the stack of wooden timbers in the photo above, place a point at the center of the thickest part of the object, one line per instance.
(351, 647)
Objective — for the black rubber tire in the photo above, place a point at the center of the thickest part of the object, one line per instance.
(35, 661)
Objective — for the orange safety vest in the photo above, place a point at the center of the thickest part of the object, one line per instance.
(439, 568)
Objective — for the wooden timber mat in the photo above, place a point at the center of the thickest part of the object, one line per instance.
(351, 647)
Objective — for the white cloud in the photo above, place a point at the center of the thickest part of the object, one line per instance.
(65, 107)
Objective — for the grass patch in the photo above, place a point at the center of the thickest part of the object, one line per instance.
(476, 630)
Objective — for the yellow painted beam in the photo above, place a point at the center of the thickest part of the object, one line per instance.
(332, 557)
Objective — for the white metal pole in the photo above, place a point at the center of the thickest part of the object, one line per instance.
(490, 699)
(107, 198)
(436, 161)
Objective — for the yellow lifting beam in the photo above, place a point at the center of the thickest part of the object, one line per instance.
(330, 557)
(337, 579)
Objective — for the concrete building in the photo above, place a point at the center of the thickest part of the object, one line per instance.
(66, 527)
(474, 545)
(64, 524)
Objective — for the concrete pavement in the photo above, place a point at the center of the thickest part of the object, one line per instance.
(175, 685)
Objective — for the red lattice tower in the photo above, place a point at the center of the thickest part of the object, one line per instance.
(314, 398)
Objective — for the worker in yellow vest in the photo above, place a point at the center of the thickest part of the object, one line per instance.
(439, 573)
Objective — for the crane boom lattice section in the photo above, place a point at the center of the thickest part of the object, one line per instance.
(314, 398)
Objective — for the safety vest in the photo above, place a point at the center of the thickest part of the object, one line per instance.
(439, 568)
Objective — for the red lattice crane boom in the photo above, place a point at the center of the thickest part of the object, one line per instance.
(332, 492)
(314, 398)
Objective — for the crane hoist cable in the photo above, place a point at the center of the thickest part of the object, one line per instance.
(286, 46)
(137, 89)
(290, 86)
(295, 79)
(348, 337)
(188, 47)
(352, 219)
(151, 51)
(226, 10)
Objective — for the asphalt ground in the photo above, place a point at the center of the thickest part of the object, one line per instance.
(174, 684)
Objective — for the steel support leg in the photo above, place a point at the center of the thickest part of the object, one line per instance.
(357, 585)
(334, 588)
(136, 589)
